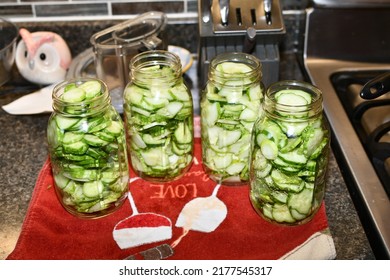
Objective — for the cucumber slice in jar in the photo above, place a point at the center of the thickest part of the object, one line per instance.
(269, 149)
(227, 137)
(229, 107)
(78, 148)
(233, 68)
(248, 115)
(64, 123)
(281, 213)
(115, 128)
(183, 134)
(72, 137)
(212, 111)
(84, 149)
(91, 89)
(155, 157)
(307, 96)
(235, 168)
(291, 98)
(301, 202)
(170, 110)
(93, 188)
(159, 120)
(151, 140)
(74, 95)
(222, 161)
(285, 150)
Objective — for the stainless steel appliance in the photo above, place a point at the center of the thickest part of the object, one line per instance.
(347, 43)
(254, 27)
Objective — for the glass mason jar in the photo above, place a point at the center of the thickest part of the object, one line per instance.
(158, 111)
(289, 154)
(230, 104)
(87, 149)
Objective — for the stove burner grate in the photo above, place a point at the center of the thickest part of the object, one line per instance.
(376, 139)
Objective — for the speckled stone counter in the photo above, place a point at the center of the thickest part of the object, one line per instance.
(23, 151)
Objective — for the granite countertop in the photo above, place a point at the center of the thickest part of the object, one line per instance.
(23, 151)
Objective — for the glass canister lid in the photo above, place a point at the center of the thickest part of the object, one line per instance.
(140, 31)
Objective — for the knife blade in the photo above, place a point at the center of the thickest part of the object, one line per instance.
(206, 10)
(267, 11)
(224, 10)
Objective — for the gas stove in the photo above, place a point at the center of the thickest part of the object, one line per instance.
(370, 119)
(345, 47)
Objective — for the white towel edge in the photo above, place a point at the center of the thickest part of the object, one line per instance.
(319, 246)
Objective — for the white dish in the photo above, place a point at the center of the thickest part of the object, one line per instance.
(184, 55)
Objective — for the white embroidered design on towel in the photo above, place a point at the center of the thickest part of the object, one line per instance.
(141, 228)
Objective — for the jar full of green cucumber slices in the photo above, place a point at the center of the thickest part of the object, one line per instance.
(289, 154)
(230, 104)
(87, 149)
(158, 111)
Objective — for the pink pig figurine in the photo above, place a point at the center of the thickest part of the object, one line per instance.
(42, 57)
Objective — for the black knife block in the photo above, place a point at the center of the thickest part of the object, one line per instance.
(216, 38)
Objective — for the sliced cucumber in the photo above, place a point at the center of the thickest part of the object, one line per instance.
(171, 109)
(222, 162)
(93, 188)
(115, 128)
(301, 202)
(294, 157)
(229, 107)
(265, 171)
(291, 98)
(179, 92)
(91, 89)
(212, 111)
(72, 137)
(78, 148)
(151, 140)
(155, 157)
(61, 181)
(281, 213)
(287, 158)
(279, 197)
(233, 68)
(84, 149)
(183, 134)
(301, 93)
(74, 95)
(65, 123)
(248, 115)
(94, 140)
(159, 116)
(227, 137)
(269, 149)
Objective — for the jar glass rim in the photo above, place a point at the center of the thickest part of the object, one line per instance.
(312, 108)
(252, 76)
(82, 108)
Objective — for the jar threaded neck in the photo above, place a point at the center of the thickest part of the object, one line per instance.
(87, 107)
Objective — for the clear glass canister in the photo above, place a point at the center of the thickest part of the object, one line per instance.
(289, 154)
(87, 148)
(158, 112)
(230, 105)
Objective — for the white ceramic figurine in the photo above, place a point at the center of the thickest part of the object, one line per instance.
(42, 57)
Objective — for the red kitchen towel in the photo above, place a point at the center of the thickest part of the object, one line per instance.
(190, 218)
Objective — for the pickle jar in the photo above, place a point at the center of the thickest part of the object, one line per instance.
(230, 104)
(289, 154)
(158, 112)
(87, 149)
